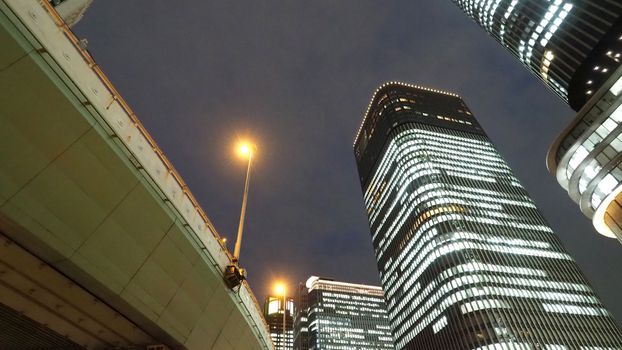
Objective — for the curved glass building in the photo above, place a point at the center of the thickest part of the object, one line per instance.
(465, 258)
(587, 158)
(575, 47)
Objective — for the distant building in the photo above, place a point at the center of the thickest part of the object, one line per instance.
(465, 258)
(342, 316)
(575, 48)
(301, 320)
(71, 11)
(273, 312)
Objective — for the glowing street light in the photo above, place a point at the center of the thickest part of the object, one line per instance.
(245, 149)
(233, 274)
(280, 289)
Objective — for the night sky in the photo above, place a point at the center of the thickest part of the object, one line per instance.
(297, 76)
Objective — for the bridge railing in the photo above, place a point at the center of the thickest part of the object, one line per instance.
(160, 154)
(117, 97)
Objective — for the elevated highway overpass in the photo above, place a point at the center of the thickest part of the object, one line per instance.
(102, 245)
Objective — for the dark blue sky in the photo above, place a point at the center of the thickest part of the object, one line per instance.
(297, 76)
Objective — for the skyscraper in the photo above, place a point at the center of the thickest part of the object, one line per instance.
(273, 313)
(571, 45)
(301, 320)
(465, 258)
(575, 48)
(342, 316)
(586, 158)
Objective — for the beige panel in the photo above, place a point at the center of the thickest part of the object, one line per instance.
(30, 231)
(184, 245)
(161, 276)
(127, 236)
(153, 286)
(219, 304)
(186, 308)
(222, 344)
(78, 191)
(202, 285)
(182, 313)
(199, 340)
(234, 328)
(138, 298)
(38, 124)
(247, 341)
(175, 263)
(11, 50)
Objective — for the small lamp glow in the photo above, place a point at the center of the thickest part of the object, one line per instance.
(279, 289)
(245, 148)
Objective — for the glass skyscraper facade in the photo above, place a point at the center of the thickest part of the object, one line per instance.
(586, 158)
(342, 316)
(301, 320)
(575, 47)
(465, 258)
(273, 313)
(572, 45)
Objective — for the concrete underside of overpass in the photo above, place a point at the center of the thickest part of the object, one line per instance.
(40, 307)
(83, 190)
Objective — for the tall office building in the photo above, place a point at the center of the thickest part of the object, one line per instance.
(575, 48)
(571, 45)
(273, 313)
(342, 316)
(465, 258)
(301, 320)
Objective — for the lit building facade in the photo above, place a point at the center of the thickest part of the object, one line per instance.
(575, 48)
(465, 258)
(301, 320)
(343, 316)
(586, 158)
(273, 312)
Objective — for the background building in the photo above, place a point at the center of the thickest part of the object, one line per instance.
(273, 312)
(71, 11)
(575, 47)
(301, 321)
(342, 316)
(465, 258)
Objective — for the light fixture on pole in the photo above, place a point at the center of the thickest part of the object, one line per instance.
(280, 288)
(234, 275)
(245, 149)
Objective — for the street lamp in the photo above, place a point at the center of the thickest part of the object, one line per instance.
(279, 289)
(234, 275)
(245, 149)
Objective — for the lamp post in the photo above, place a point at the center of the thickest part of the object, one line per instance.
(234, 275)
(247, 150)
(281, 289)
